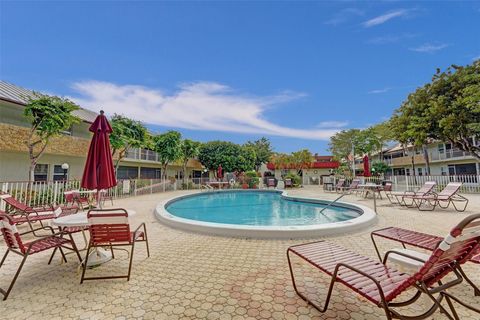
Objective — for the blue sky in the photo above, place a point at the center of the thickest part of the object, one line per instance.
(295, 72)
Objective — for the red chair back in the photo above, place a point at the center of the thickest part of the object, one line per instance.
(458, 247)
(10, 232)
(427, 187)
(271, 182)
(450, 189)
(14, 203)
(387, 186)
(69, 197)
(109, 226)
(340, 183)
(355, 183)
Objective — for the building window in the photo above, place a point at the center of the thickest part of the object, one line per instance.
(443, 171)
(150, 173)
(419, 170)
(407, 171)
(125, 172)
(40, 172)
(58, 174)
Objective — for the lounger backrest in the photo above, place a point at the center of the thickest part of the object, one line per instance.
(10, 232)
(271, 182)
(388, 186)
(11, 201)
(355, 183)
(427, 187)
(69, 197)
(450, 189)
(458, 247)
(340, 182)
(109, 226)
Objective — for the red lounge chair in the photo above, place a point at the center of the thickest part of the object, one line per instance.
(399, 197)
(381, 284)
(419, 240)
(339, 185)
(110, 228)
(448, 195)
(352, 187)
(22, 213)
(15, 244)
(288, 183)
(271, 183)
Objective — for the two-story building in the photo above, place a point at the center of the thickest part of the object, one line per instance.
(444, 160)
(71, 147)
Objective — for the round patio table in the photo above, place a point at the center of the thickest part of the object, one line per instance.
(98, 256)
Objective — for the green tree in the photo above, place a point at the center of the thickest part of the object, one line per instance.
(263, 151)
(190, 149)
(380, 167)
(126, 134)
(49, 116)
(342, 143)
(301, 159)
(169, 148)
(446, 109)
(230, 156)
(281, 160)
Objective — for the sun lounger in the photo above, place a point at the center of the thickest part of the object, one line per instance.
(449, 195)
(338, 187)
(419, 240)
(382, 284)
(399, 197)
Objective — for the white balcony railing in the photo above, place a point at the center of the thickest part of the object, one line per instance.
(141, 154)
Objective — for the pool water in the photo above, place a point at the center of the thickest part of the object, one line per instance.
(256, 208)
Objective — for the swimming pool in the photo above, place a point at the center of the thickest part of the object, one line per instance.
(261, 213)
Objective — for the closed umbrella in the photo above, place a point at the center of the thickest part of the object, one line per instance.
(220, 172)
(99, 172)
(366, 167)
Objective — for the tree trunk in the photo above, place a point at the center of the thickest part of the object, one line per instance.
(185, 173)
(427, 159)
(413, 165)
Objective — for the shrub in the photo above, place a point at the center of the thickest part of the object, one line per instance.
(252, 178)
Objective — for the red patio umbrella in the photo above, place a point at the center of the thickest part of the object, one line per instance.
(220, 172)
(99, 172)
(366, 167)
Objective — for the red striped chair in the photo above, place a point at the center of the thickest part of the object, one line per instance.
(419, 240)
(23, 213)
(110, 228)
(381, 284)
(15, 244)
(449, 195)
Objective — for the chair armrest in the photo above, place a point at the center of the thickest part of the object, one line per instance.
(140, 226)
(385, 257)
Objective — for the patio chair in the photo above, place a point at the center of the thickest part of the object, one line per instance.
(381, 284)
(15, 244)
(399, 197)
(271, 183)
(110, 228)
(353, 187)
(338, 187)
(288, 183)
(82, 202)
(22, 213)
(104, 196)
(419, 240)
(449, 195)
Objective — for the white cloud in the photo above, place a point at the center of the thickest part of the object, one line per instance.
(344, 15)
(197, 106)
(385, 17)
(476, 58)
(391, 38)
(377, 91)
(430, 47)
(332, 124)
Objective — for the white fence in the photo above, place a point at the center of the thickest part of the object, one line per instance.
(471, 183)
(52, 192)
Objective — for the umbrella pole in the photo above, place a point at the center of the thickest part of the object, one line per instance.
(99, 200)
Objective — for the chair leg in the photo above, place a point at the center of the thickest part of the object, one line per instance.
(53, 254)
(74, 246)
(63, 254)
(476, 290)
(131, 260)
(4, 257)
(85, 264)
(146, 240)
(5, 296)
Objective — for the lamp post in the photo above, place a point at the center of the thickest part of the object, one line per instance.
(65, 167)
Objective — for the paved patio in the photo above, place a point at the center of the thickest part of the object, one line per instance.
(194, 276)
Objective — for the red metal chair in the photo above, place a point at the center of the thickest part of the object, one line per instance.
(420, 240)
(82, 202)
(449, 195)
(288, 183)
(271, 183)
(22, 213)
(339, 186)
(16, 245)
(381, 284)
(110, 228)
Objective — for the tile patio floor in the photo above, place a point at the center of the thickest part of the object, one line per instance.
(194, 276)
